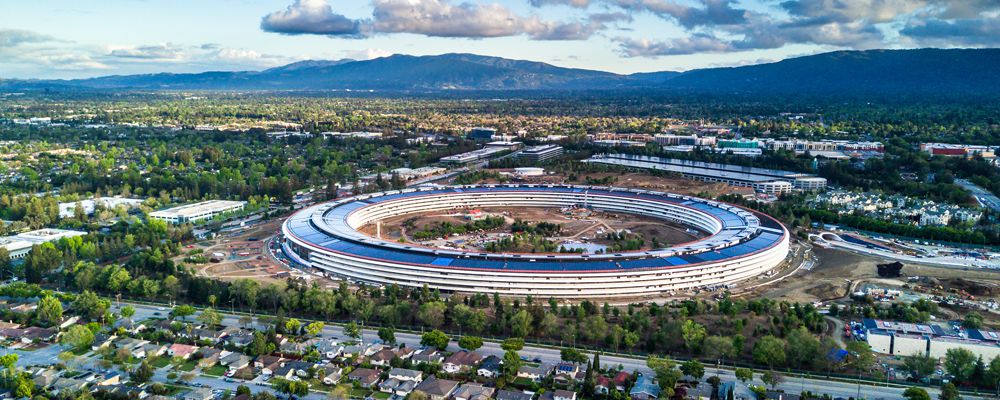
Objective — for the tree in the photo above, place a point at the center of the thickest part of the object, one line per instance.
(387, 335)
(744, 374)
(693, 334)
(142, 373)
(470, 343)
(352, 330)
(50, 311)
(128, 312)
(769, 350)
(915, 393)
(512, 344)
(959, 362)
(973, 320)
(771, 378)
(862, 357)
(920, 365)
(949, 392)
(78, 337)
(210, 317)
(520, 324)
(89, 305)
(314, 328)
(802, 347)
(8, 360)
(666, 375)
(993, 372)
(293, 326)
(182, 311)
(432, 313)
(573, 355)
(340, 392)
(290, 387)
(694, 369)
(719, 347)
(243, 390)
(511, 363)
(436, 339)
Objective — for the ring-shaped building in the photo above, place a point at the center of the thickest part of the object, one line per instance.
(741, 244)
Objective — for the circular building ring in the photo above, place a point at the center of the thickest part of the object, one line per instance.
(741, 244)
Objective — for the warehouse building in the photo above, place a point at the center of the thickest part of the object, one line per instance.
(760, 179)
(540, 153)
(904, 339)
(19, 245)
(197, 211)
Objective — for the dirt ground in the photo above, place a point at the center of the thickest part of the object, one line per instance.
(576, 228)
(640, 181)
(243, 258)
(837, 272)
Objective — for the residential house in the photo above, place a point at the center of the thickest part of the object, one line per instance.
(436, 389)
(238, 338)
(331, 374)
(621, 380)
(567, 373)
(199, 394)
(108, 379)
(382, 357)
(602, 384)
(181, 350)
(294, 368)
(329, 349)
(269, 364)
(102, 340)
(645, 388)
(473, 391)
(561, 394)
(427, 355)
(235, 360)
(366, 377)
(210, 356)
(462, 360)
(739, 390)
(490, 367)
(404, 374)
(513, 395)
(149, 350)
(68, 385)
(397, 387)
(535, 374)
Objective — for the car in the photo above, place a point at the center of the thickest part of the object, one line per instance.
(536, 360)
(161, 309)
(157, 313)
(229, 380)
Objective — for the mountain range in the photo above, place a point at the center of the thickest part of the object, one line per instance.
(875, 71)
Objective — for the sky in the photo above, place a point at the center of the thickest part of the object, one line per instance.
(84, 38)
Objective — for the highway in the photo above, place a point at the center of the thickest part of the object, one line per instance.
(984, 197)
(551, 355)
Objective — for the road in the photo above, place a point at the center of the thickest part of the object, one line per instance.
(984, 197)
(552, 355)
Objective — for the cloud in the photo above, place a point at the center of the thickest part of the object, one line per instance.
(436, 18)
(680, 46)
(366, 54)
(962, 32)
(709, 13)
(571, 3)
(159, 52)
(16, 37)
(314, 17)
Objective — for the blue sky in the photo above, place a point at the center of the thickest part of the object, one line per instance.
(82, 38)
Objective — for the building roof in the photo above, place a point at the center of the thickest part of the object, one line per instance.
(437, 387)
(196, 209)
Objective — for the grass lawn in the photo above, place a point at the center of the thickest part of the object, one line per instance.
(160, 362)
(80, 352)
(187, 366)
(381, 395)
(215, 370)
(359, 393)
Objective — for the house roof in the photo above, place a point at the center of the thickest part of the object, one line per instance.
(512, 395)
(437, 387)
(464, 358)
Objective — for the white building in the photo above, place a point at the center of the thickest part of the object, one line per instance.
(197, 211)
(540, 153)
(68, 210)
(19, 245)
